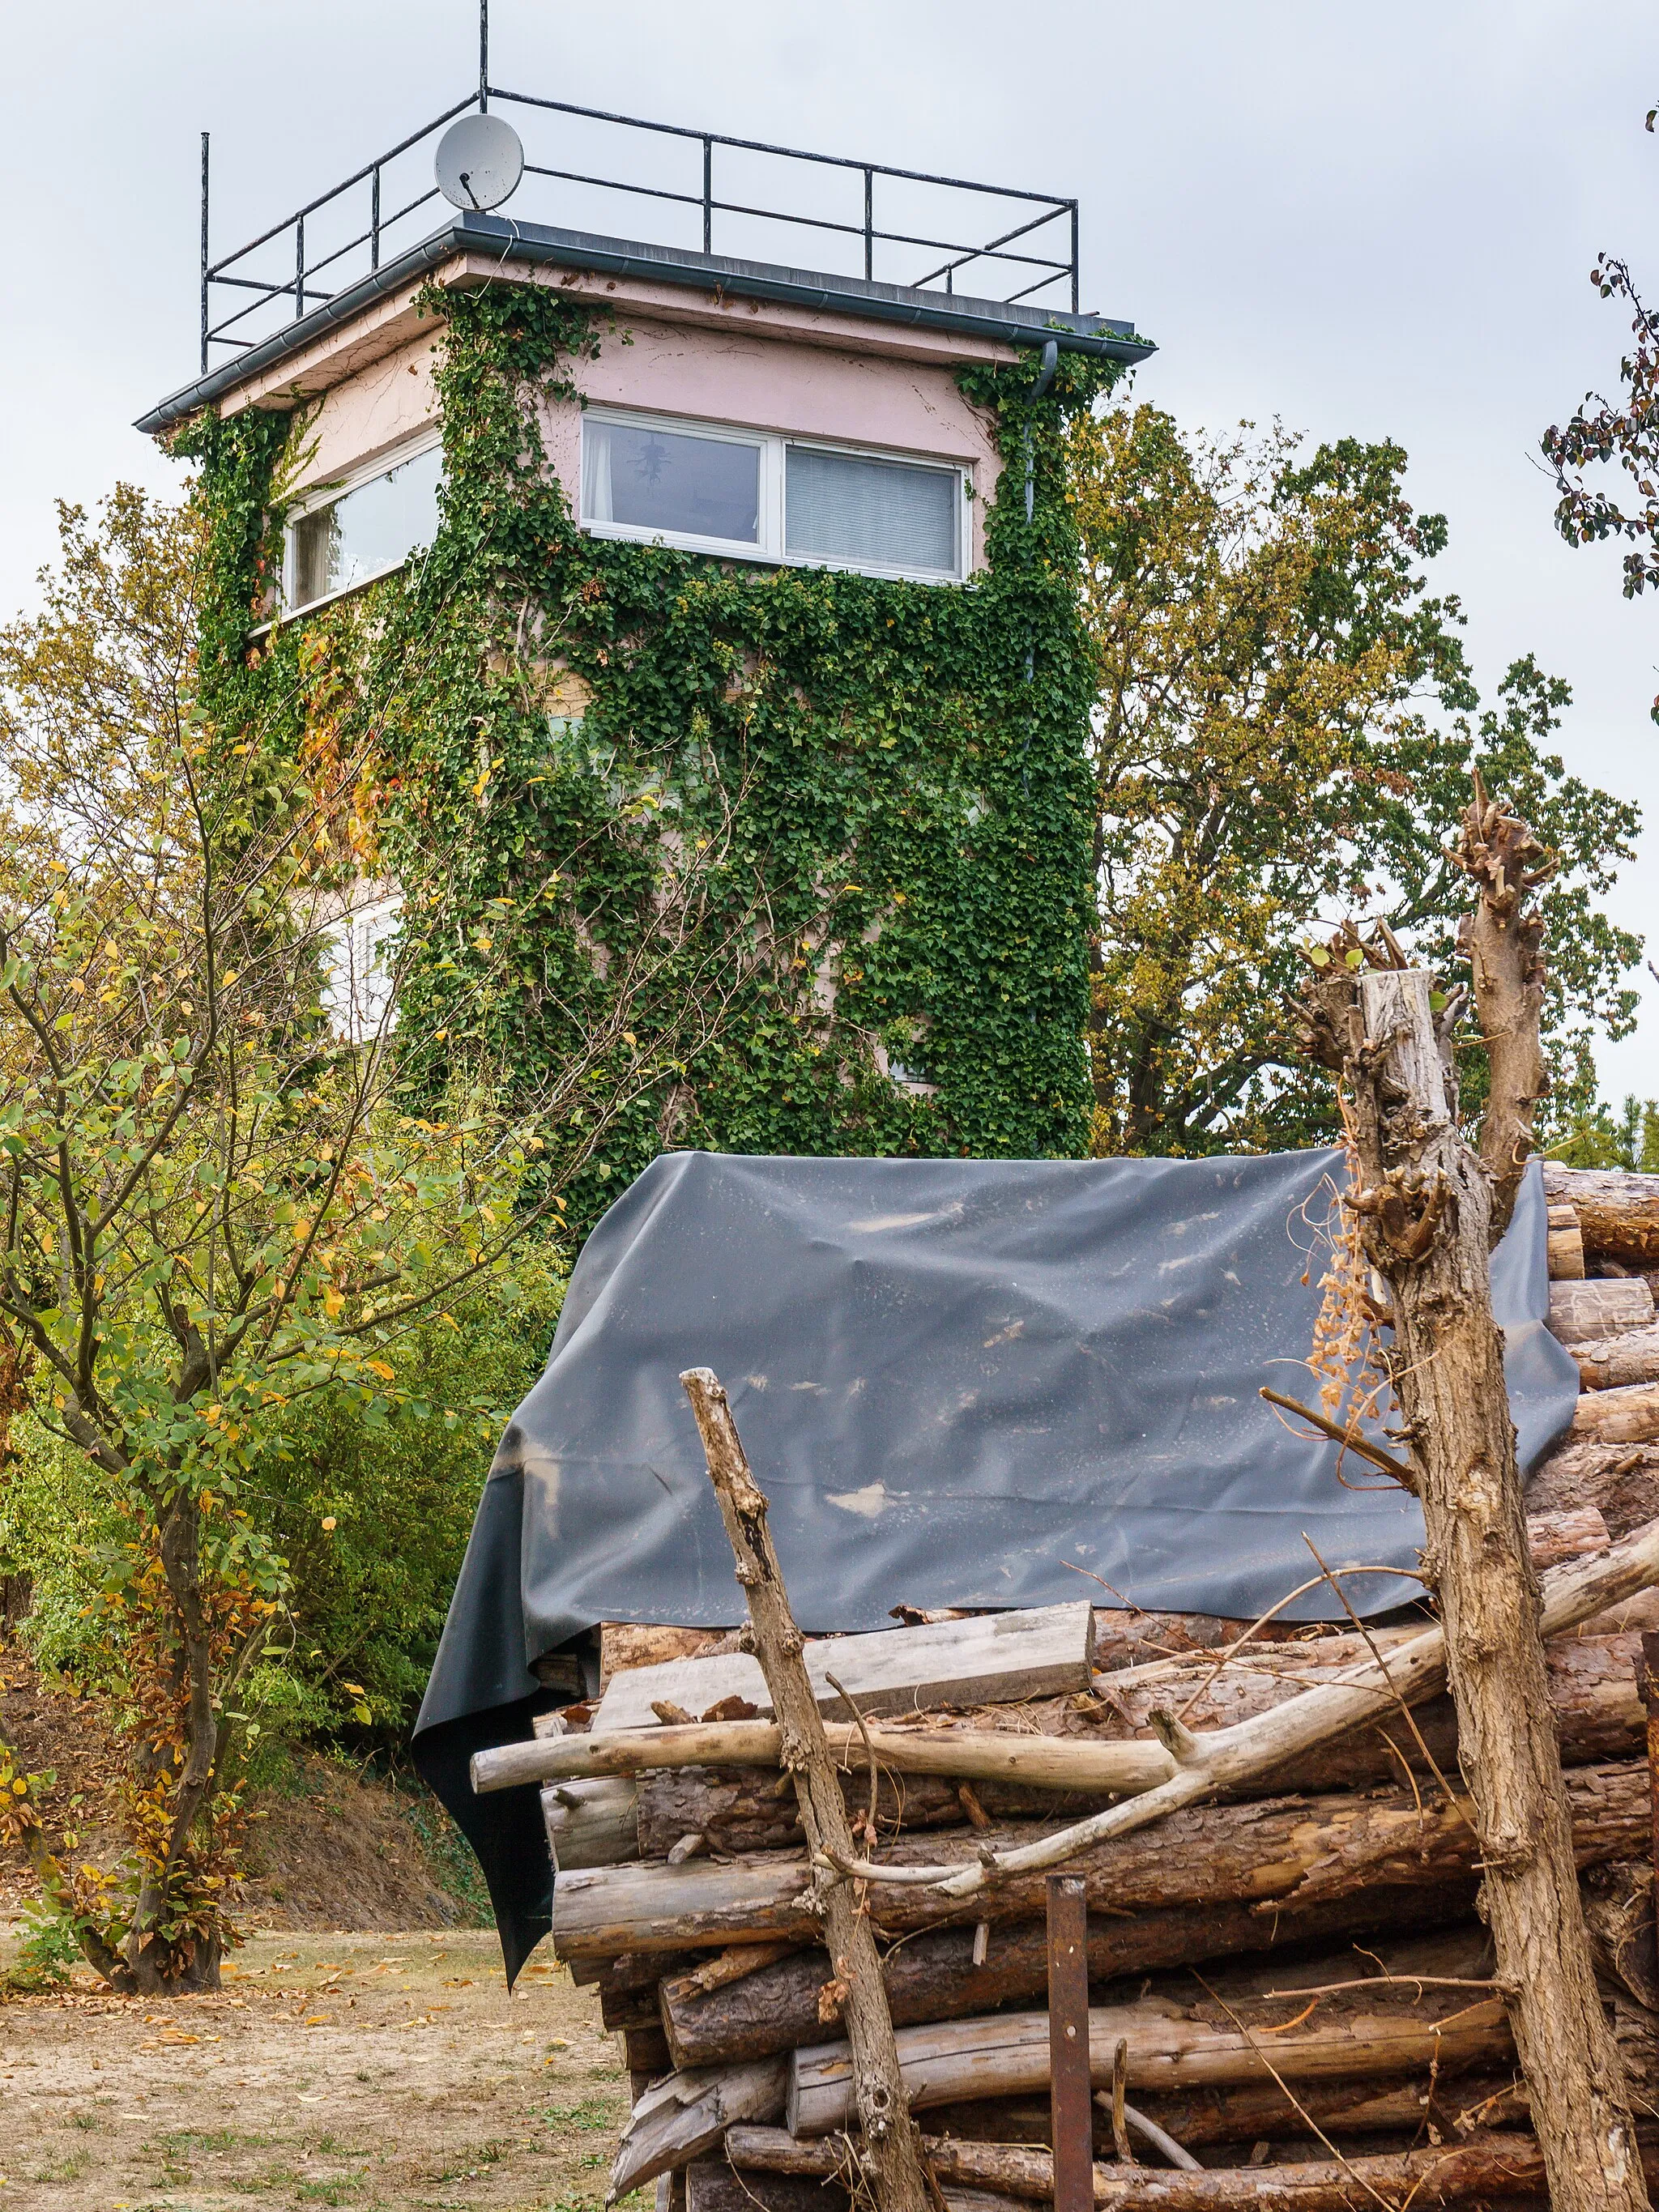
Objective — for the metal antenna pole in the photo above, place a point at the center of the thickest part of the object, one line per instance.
(204, 250)
(483, 57)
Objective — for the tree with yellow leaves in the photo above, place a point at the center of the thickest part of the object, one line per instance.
(1284, 731)
(218, 1201)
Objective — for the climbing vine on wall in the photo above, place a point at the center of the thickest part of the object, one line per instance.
(807, 851)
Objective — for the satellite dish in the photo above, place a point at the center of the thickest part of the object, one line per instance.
(479, 162)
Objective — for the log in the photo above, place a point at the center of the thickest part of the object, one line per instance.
(890, 2160)
(1608, 1363)
(989, 1659)
(1489, 2164)
(1626, 1416)
(1267, 1852)
(1604, 1307)
(591, 1823)
(1565, 1237)
(933, 1976)
(1348, 2038)
(678, 2119)
(1248, 2112)
(1230, 1758)
(1034, 1761)
(1486, 2168)
(1618, 1211)
(627, 1643)
(711, 2185)
(1621, 1479)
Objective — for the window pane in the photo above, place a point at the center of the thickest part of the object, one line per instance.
(665, 480)
(368, 530)
(840, 507)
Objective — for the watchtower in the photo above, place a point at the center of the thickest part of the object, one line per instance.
(791, 534)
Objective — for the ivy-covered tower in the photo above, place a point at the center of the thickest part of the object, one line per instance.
(686, 646)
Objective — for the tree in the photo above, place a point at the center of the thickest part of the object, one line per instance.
(217, 1206)
(1286, 728)
(1428, 1208)
(1625, 432)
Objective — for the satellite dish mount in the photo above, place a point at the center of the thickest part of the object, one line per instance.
(479, 162)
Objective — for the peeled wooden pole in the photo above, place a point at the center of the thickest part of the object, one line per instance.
(891, 2148)
(1430, 1213)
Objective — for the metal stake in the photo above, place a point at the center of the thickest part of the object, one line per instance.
(1068, 2045)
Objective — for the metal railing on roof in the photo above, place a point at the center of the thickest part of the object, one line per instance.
(718, 188)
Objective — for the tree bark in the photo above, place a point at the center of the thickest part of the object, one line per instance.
(1430, 1213)
(891, 2156)
(1277, 1855)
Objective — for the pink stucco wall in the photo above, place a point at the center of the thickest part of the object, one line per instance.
(758, 377)
(368, 414)
(764, 383)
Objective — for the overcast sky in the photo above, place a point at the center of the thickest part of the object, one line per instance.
(1365, 221)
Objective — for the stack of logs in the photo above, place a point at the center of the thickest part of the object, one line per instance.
(1292, 1975)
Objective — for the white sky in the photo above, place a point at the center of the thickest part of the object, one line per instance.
(1365, 221)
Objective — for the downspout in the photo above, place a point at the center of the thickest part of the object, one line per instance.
(1045, 378)
(1038, 390)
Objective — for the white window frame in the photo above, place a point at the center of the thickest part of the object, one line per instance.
(773, 446)
(317, 496)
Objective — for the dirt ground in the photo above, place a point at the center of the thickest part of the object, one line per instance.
(362, 2070)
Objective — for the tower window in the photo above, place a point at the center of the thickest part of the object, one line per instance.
(763, 497)
(350, 536)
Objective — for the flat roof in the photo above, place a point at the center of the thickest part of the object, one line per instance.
(858, 298)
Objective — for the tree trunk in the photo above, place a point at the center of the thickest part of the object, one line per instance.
(1430, 1213)
(892, 2151)
(1279, 1855)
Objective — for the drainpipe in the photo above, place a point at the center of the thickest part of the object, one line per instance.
(1045, 378)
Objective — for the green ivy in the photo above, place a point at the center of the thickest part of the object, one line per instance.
(823, 812)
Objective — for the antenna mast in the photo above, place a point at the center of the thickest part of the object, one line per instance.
(483, 57)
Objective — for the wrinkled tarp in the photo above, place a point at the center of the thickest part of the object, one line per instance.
(960, 1382)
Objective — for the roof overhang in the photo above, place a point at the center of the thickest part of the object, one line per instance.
(981, 322)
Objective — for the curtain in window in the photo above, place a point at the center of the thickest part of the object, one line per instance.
(843, 506)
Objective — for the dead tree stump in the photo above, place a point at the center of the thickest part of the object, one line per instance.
(1430, 1211)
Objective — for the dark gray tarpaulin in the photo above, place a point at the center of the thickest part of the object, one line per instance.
(961, 1382)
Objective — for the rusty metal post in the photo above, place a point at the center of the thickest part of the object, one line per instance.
(1068, 2045)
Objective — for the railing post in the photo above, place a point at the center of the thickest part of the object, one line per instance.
(869, 224)
(299, 267)
(374, 218)
(205, 252)
(1074, 259)
(707, 193)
